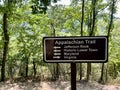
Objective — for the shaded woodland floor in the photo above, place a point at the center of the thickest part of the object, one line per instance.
(58, 85)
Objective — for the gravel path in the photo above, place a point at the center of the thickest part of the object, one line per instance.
(60, 85)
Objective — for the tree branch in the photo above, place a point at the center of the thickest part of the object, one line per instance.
(111, 18)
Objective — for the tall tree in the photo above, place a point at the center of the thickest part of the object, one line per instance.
(108, 34)
(92, 29)
(82, 20)
(6, 42)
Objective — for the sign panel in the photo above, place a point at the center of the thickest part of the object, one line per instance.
(75, 49)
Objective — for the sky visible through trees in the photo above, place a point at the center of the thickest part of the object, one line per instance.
(67, 2)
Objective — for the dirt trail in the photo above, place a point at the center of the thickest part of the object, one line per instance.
(64, 85)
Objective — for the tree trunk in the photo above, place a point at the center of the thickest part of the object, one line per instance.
(111, 18)
(57, 65)
(93, 17)
(82, 35)
(102, 73)
(11, 73)
(26, 73)
(82, 20)
(57, 71)
(115, 72)
(92, 28)
(6, 42)
(88, 71)
(80, 71)
(106, 74)
(34, 67)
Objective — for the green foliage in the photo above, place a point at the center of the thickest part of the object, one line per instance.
(28, 25)
(40, 6)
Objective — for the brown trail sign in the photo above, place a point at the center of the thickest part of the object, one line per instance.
(75, 49)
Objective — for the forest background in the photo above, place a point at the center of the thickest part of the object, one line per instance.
(24, 23)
